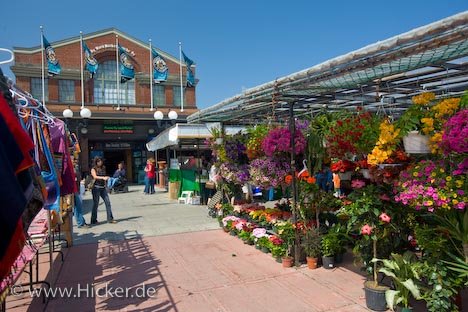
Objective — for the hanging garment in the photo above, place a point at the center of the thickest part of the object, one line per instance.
(61, 153)
(13, 201)
(22, 139)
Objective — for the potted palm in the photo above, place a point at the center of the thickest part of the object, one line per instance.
(311, 244)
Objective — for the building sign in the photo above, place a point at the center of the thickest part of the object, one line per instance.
(118, 145)
(111, 46)
(118, 126)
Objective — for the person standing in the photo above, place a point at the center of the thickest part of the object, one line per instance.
(99, 190)
(150, 176)
(78, 207)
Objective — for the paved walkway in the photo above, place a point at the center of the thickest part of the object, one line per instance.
(162, 256)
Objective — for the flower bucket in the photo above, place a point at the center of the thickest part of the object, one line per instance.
(345, 175)
(365, 173)
(416, 143)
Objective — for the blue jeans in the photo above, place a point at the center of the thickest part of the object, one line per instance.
(101, 192)
(149, 185)
(111, 182)
(78, 211)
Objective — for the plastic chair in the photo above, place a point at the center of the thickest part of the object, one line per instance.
(185, 197)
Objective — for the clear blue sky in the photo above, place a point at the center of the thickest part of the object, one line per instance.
(236, 44)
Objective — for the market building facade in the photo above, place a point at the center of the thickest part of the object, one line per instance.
(122, 118)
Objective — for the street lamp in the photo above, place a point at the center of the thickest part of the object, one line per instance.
(158, 115)
(85, 113)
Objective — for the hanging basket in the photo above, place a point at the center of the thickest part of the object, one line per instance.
(416, 143)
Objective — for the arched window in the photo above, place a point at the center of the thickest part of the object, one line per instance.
(105, 86)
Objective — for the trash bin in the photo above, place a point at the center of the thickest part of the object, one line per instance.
(174, 189)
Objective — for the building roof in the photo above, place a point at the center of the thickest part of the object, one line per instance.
(381, 76)
(96, 34)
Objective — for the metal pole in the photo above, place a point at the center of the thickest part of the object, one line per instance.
(180, 69)
(42, 63)
(292, 130)
(118, 70)
(151, 75)
(81, 63)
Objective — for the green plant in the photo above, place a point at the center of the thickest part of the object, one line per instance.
(287, 233)
(278, 250)
(330, 245)
(458, 266)
(442, 286)
(411, 118)
(404, 271)
(264, 242)
(311, 242)
(455, 223)
(245, 235)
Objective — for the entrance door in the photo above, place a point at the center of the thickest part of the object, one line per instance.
(113, 158)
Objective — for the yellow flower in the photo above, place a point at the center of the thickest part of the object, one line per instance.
(415, 174)
(454, 201)
(448, 178)
(423, 98)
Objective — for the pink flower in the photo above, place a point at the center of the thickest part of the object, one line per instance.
(385, 217)
(358, 184)
(366, 230)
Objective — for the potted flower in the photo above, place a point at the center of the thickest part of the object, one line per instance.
(277, 143)
(286, 231)
(422, 122)
(254, 142)
(311, 243)
(344, 168)
(372, 218)
(355, 134)
(455, 133)
(278, 248)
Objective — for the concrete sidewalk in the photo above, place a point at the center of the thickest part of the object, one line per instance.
(197, 267)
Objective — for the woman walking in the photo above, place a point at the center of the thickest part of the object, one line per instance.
(99, 190)
(150, 176)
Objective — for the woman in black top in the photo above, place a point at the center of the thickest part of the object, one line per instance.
(99, 189)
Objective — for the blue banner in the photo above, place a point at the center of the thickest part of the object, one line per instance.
(127, 72)
(91, 63)
(160, 70)
(53, 66)
(190, 76)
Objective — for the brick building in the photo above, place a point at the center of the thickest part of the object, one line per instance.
(116, 130)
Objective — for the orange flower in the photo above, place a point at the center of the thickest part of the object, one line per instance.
(311, 180)
(288, 179)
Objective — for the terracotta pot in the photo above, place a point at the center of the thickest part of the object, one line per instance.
(312, 263)
(287, 262)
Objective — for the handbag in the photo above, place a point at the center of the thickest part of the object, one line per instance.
(210, 185)
(90, 184)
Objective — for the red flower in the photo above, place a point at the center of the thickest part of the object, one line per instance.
(385, 217)
(366, 230)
